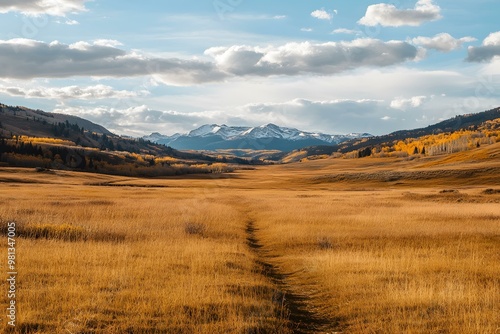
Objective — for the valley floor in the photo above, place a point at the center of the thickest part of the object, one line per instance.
(337, 245)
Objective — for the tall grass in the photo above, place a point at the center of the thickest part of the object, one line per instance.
(176, 258)
(119, 260)
(381, 263)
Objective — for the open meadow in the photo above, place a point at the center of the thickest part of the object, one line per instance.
(373, 245)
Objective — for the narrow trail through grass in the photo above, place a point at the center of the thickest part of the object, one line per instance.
(295, 306)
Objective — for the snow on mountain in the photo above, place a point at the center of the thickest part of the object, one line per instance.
(223, 136)
(203, 130)
(156, 137)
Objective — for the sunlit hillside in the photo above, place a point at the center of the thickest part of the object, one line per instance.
(458, 134)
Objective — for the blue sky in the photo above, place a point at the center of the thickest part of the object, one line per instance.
(332, 66)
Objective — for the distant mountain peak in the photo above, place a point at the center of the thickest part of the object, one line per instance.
(264, 137)
(269, 125)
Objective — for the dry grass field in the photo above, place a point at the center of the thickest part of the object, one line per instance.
(337, 245)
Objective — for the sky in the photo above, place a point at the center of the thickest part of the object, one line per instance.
(328, 66)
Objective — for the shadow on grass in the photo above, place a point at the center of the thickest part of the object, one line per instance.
(64, 232)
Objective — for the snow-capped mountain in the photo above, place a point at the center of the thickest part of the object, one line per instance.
(265, 137)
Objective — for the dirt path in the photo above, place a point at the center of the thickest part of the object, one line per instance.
(302, 320)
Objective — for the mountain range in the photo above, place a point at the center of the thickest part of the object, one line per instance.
(23, 121)
(265, 137)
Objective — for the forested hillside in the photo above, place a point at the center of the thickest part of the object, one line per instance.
(34, 138)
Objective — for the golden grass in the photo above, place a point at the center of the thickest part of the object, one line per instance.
(172, 255)
(378, 262)
(158, 279)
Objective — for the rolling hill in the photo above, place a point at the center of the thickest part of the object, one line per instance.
(17, 120)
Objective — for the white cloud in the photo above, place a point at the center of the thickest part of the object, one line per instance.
(488, 51)
(389, 16)
(322, 14)
(493, 39)
(71, 92)
(442, 42)
(137, 120)
(306, 29)
(279, 17)
(108, 42)
(68, 22)
(302, 58)
(38, 7)
(371, 83)
(346, 31)
(30, 59)
(403, 104)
